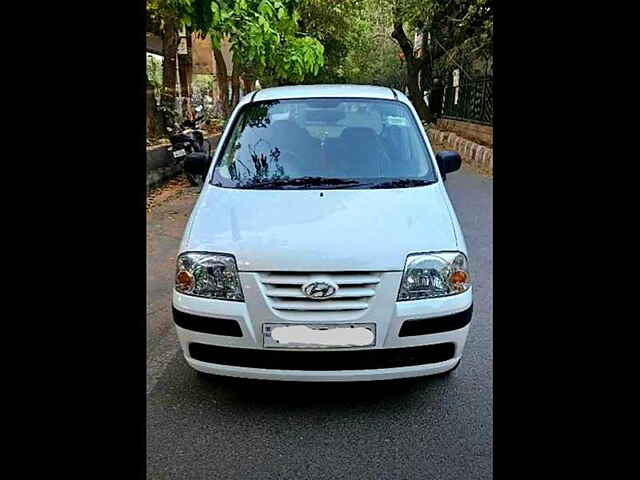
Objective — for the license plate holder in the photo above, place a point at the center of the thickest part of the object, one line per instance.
(318, 335)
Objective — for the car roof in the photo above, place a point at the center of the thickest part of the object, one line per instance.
(325, 91)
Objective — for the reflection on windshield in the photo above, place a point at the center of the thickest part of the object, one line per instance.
(338, 143)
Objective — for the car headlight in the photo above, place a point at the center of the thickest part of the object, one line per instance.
(438, 274)
(208, 275)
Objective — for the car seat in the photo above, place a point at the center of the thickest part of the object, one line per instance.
(359, 153)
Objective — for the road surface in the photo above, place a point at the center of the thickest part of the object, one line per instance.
(427, 428)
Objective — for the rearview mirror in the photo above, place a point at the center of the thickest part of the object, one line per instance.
(328, 115)
(448, 162)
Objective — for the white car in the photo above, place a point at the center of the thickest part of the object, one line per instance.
(324, 247)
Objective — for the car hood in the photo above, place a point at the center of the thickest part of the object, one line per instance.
(321, 230)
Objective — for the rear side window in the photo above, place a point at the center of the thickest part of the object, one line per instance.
(350, 143)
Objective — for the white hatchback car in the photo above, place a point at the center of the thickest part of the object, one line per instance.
(323, 245)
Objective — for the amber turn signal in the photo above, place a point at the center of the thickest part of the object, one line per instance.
(458, 277)
(184, 281)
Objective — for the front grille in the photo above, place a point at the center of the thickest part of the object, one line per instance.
(322, 361)
(283, 291)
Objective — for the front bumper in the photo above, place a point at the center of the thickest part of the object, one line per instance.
(448, 317)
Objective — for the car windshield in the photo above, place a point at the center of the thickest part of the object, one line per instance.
(324, 143)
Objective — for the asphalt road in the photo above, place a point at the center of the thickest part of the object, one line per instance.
(427, 428)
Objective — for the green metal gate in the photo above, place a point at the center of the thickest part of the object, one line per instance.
(471, 101)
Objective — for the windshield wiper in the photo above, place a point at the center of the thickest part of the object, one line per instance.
(402, 183)
(303, 182)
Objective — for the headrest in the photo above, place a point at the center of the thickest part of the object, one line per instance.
(358, 134)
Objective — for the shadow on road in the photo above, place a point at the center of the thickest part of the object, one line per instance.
(311, 395)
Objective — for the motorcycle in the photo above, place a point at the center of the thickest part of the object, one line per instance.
(187, 145)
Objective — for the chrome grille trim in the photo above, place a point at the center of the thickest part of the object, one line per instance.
(319, 306)
(356, 292)
(283, 290)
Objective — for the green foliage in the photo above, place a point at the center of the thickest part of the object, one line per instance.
(264, 36)
(202, 84)
(374, 58)
(338, 41)
(154, 72)
(159, 10)
(356, 36)
(297, 57)
(333, 23)
(461, 31)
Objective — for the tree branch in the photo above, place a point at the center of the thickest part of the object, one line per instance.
(405, 45)
(446, 52)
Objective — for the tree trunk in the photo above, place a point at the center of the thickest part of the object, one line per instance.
(415, 94)
(426, 75)
(235, 85)
(413, 68)
(153, 124)
(169, 50)
(186, 76)
(248, 84)
(222, 80)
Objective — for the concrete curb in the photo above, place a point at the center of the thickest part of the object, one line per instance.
(478, 133)
(161, 165)
(476, 155)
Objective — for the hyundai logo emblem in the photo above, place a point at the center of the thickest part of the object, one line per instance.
(319, 290)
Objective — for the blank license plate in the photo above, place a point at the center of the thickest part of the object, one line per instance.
(348, 335)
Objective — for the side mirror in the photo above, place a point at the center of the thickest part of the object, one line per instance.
(448, 162)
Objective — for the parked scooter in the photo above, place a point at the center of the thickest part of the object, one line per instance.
(187, 145)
